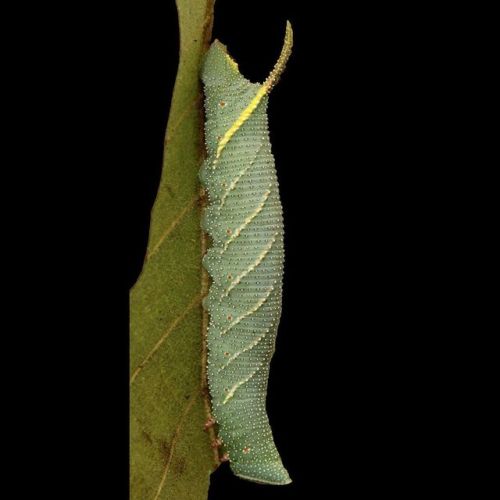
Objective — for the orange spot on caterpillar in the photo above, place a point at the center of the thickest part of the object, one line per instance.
(246, 449)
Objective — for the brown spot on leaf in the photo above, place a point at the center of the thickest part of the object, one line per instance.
(179, 466)
(146, 436)
(164, 449)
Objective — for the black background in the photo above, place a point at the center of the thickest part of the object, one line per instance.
(348, 394)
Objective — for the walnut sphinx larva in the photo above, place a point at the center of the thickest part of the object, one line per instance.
(245, 261)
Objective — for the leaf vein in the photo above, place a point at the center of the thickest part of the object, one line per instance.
(164, 337)
(173, 225)
(174, 442)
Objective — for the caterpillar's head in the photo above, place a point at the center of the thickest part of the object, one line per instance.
(227, 94)
(231, 99)
(219, 68)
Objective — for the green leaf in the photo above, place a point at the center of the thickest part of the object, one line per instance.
(170, 452)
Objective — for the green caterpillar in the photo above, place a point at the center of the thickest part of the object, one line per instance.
(244, 220)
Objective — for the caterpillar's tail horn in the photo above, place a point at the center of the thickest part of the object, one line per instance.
(279, 67)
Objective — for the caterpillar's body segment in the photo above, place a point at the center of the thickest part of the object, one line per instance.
(245, 261)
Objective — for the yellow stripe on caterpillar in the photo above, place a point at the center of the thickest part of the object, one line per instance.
(266, 87)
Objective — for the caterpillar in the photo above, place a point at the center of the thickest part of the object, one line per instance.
(243, 218)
